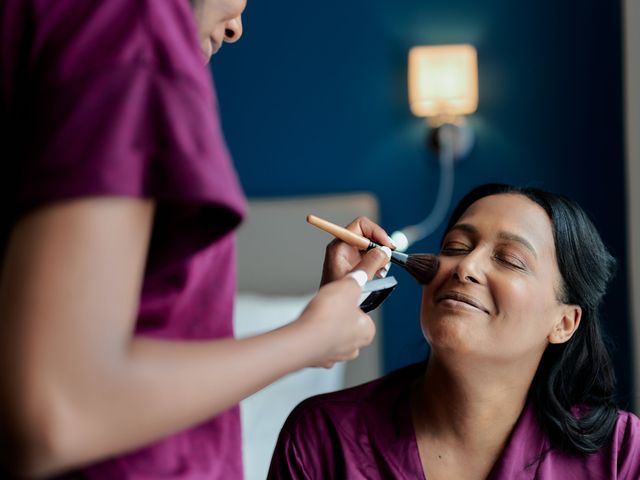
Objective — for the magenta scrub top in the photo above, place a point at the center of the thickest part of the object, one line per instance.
(366, 432)
(111, 98)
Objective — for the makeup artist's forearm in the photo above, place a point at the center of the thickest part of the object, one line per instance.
(162, 387)
(209, 377)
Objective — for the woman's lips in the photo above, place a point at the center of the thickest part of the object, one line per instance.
(463, 298)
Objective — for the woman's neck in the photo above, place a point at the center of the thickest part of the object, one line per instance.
(473, 408)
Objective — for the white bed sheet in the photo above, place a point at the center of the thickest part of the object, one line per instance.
(264, 413)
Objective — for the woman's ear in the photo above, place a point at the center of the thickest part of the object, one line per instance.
(566, 326)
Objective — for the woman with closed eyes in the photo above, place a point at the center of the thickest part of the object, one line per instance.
(518, 383)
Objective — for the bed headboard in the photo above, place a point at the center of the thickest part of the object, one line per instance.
(279, 253)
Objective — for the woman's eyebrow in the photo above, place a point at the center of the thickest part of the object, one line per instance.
(468, 228)
(464, 227)
(519, 239)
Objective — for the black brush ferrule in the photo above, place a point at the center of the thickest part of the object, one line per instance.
(396, 257)
(399, 258)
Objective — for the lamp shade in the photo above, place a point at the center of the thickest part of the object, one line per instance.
(443, 80)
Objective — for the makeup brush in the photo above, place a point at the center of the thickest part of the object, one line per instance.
(421, 266)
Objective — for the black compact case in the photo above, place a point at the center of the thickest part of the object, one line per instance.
(375, 292)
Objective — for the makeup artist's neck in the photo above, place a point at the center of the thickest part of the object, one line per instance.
(470, 405)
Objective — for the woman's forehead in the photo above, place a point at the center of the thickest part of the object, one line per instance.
(513, 214)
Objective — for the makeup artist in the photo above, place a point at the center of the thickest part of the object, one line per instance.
(518, 383)
(117, 248)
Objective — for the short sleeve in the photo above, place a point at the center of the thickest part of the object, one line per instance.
(121, 104)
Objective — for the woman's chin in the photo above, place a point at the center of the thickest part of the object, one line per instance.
(452, 335)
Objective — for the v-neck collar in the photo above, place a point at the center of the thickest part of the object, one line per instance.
(519, 460)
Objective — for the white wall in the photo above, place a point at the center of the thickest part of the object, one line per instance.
(632, 122)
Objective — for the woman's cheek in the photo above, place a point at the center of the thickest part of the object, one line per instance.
(516, 296)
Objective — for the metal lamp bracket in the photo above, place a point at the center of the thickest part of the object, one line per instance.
(454, 131)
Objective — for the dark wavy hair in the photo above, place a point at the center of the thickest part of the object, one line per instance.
(578, 373)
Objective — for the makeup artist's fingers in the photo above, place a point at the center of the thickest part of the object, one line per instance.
(335, 327)
(371, 230)
(374, 260)
(382, 273)
(341, 258)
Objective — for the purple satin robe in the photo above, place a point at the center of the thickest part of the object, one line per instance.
(366, 432)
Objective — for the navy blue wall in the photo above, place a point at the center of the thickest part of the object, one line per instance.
(314, 100)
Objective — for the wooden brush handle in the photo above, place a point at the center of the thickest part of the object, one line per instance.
(343, 234)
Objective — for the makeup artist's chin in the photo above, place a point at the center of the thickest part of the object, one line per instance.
(209, 48)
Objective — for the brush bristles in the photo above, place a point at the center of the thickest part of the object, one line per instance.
(422, 266)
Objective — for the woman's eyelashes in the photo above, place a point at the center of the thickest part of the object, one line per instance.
(501, 256)
(455, 248)
(511, 260)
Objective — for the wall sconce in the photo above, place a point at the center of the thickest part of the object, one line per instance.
(443, 80)
(443, 87)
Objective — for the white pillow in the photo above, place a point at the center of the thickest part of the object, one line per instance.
(257, 313)
(264, 413)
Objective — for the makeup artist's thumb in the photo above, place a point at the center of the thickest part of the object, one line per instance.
(374, 260)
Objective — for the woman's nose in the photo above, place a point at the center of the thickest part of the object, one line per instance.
(233, 30)
(469, 268)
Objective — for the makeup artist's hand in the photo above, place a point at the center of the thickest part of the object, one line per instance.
(340, 257)
(333, 322)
